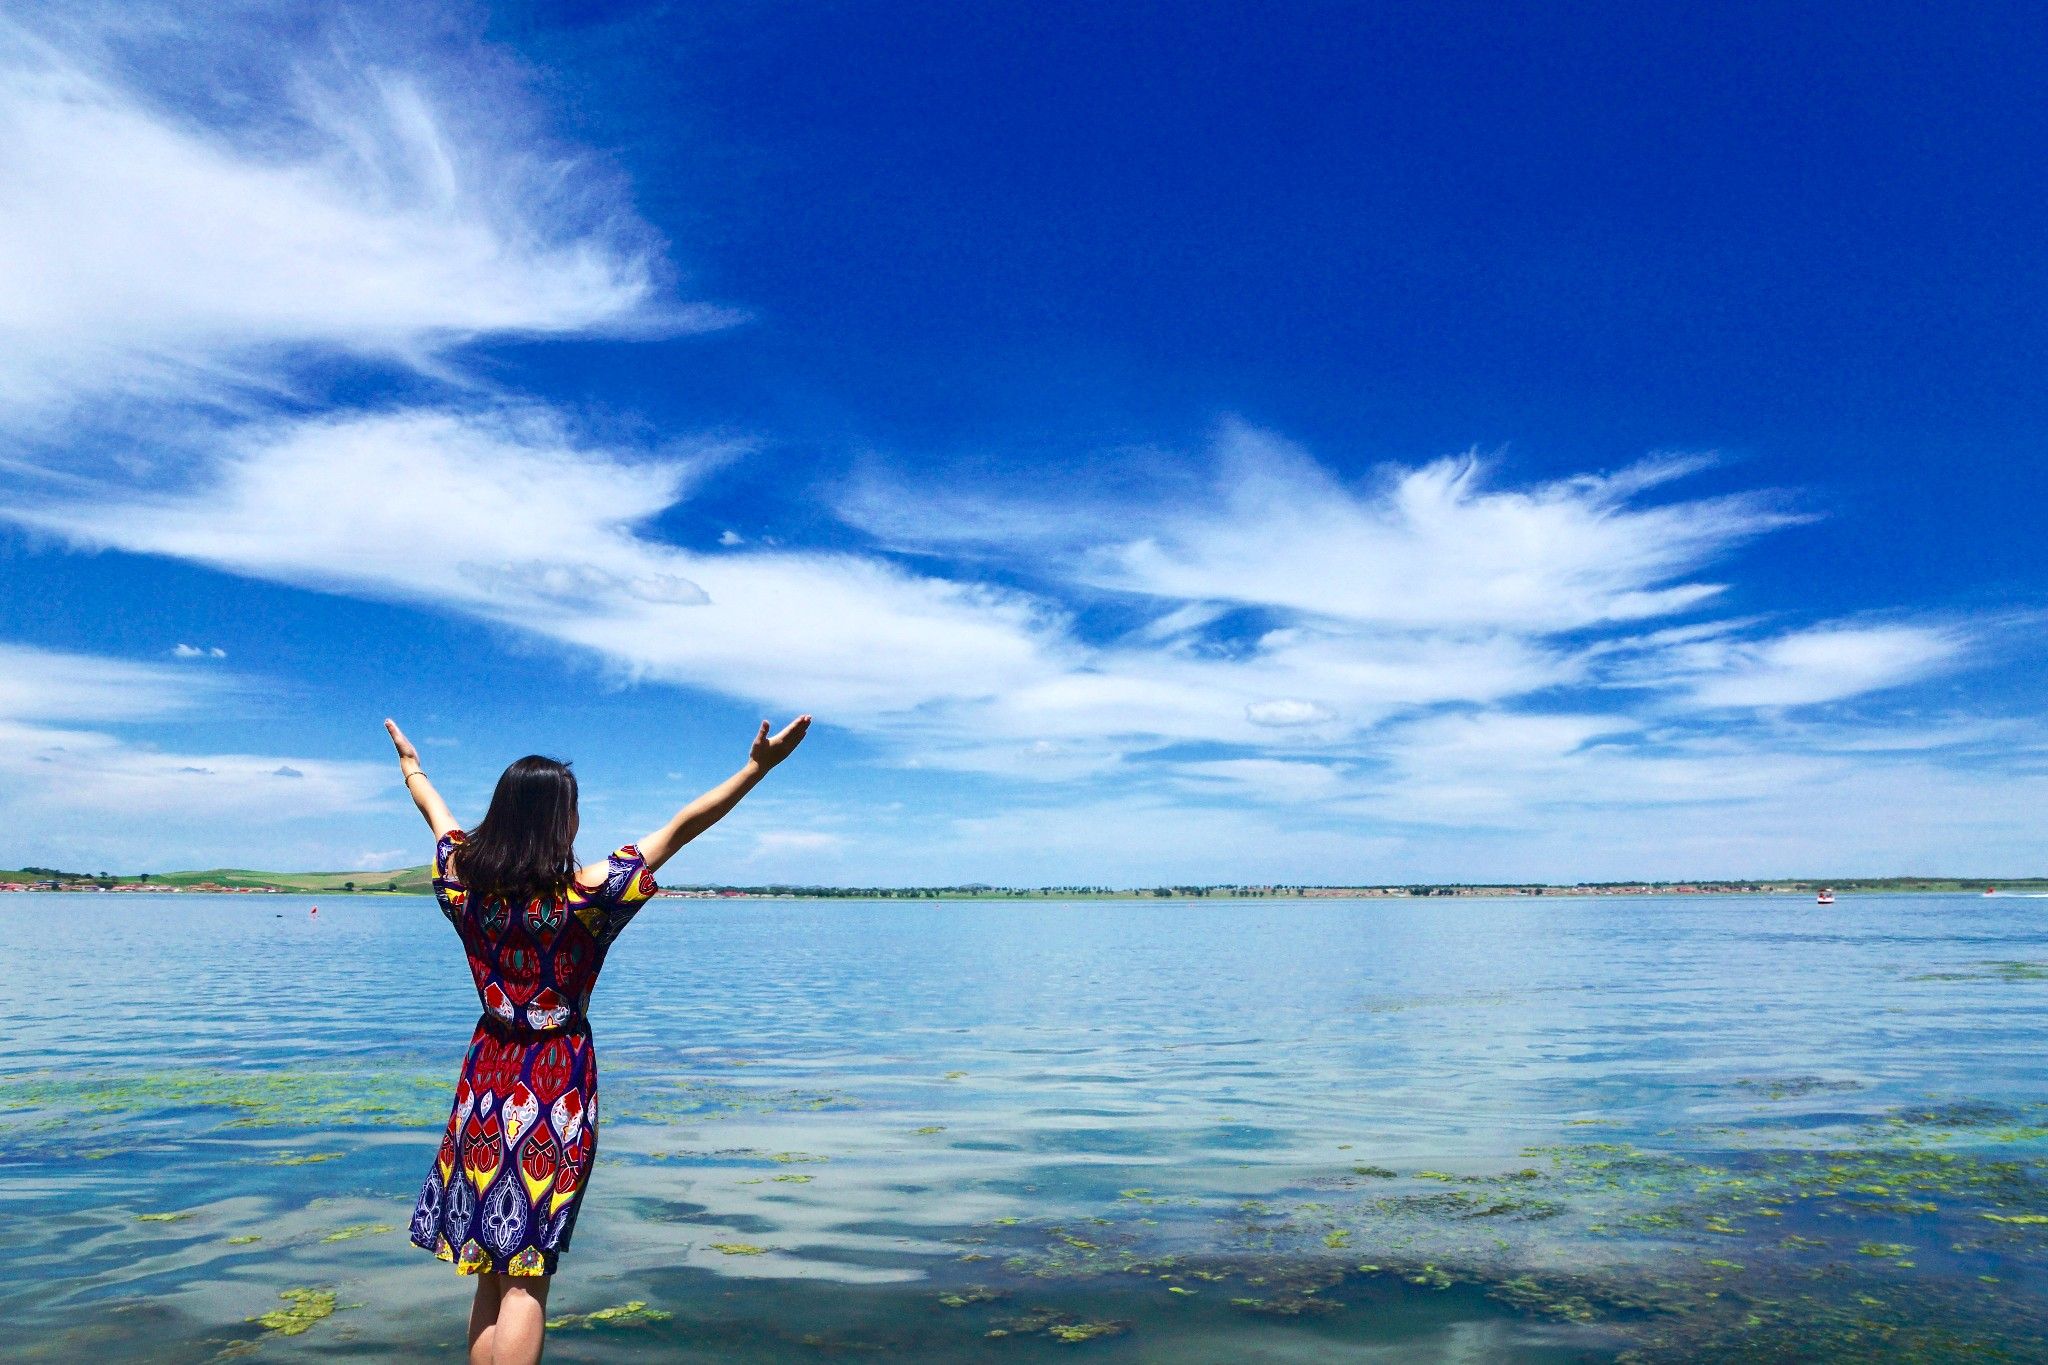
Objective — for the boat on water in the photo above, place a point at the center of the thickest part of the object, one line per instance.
(1826, 897)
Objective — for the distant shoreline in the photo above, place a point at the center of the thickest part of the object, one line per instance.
(414, 881)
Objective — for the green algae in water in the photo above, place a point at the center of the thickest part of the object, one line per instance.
(355, 1230)
(1531, 1295)
(245, 1239)
(161, 1217)
(739, 1249)
(305, 1307)
(308, 1159)
(1797, 1087)
(248, 1099)
(687, 1100)
(972, 1294)
(1991, 971)
(633, 1313)
(1712, 1255)
(1061, 1327)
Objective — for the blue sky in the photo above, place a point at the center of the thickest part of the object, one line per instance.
(1203, 443)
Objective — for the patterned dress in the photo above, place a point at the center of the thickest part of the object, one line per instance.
(504, 1189)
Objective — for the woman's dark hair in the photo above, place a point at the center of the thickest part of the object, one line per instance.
(525, 846)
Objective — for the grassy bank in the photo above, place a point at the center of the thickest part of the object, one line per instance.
(418, 881)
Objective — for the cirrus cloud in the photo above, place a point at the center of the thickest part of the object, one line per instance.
(64, 788)
(165, 252)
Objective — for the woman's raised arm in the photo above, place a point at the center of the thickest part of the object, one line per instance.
(708, 809)
(421, 788)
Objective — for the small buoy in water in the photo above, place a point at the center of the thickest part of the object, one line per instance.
(314, 911)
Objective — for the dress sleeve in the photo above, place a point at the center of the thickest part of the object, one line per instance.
(627, 885)
(449, 892)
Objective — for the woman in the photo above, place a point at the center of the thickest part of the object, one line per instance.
(502, 1195)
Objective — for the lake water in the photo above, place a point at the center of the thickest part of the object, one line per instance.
(1682, 1128)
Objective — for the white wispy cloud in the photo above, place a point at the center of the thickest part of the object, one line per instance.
(1285, 712)
(1432, 546)
(775, 843)
(545, 534)
(1265, 778)
(61, 685)
(498, 512)
(92, 773)
(174, 252)
(1819, 664)
(1507, 797)
(63, 786)
(1432, 585)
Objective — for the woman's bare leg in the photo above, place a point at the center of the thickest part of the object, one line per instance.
(483, 1319)
(522, 1319)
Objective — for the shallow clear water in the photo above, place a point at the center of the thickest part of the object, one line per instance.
(1556, 1129)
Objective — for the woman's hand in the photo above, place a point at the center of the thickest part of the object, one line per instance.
(768, 751)
(406, 753)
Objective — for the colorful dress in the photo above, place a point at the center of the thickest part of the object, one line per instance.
(503, 1191)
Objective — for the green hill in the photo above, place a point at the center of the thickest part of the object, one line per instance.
(409, 879)
(413, 880)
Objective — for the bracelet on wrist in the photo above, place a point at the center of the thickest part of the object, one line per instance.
(416, 772)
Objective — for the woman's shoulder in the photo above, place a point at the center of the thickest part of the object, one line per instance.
(444, 852)
(448, 888)
(621, 876)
